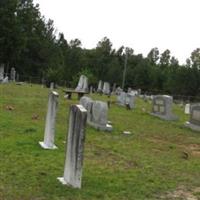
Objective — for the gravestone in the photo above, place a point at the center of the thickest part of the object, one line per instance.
(106, 88)
(162, 107)
(75, 147)
(97, 112)
(12, 74)
(5, 80)
(121, 99)
(91, 89)
(194, 122)
(52, 86)
(118, 91)
(187, 108)
(126, 99)
(130, 100)
(100, 87)
(114, 88)
(97, 115)
(82, 84)
(1, 72)
(49, 133)
(84, 101)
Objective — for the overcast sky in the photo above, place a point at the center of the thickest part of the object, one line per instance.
(139, 24)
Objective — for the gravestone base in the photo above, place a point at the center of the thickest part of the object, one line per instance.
(165, 117)
(108, 127)
(64, 182)
(192, 126)
(44, 146)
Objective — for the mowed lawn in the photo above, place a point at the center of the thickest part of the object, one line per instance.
(159, 160)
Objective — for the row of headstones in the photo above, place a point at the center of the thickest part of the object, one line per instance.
(162, 108)
(75, 142)
(5, 79)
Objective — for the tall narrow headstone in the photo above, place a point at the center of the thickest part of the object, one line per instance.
(12, 74)
(75, 147)
(82, 84)
(52, 86)
(194, 122)
(187, 108)
(106, 88)
(49, 133)
(162, 107)
(100, 87)
(1, 72)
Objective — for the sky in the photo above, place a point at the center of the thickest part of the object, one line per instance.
(138, 24)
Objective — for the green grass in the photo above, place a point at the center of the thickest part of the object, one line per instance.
(147, 164)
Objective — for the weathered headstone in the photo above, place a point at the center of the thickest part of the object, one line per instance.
(106, 88)
(49, 133)
(187, 108)
(114, 88)
(121, 99)
(5, 80)
(84, 101)
(91, 89)
(1, 72)
(162, 107)
(12, 74)
(82, 84)
(97, 116)
(97, 112)
(75, 147)
(194, 122)
(118, 91)
(100, 87)
(52, 86)
(126, 99)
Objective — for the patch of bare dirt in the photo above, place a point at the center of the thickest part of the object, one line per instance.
(182, 193)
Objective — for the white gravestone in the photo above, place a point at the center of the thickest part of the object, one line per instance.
(5, 80)
(49, 133)
(162, 107)
(75, 147)
(1, 72)
(97, 112)
(12, 74)
(82, 84)
(125, 99)
(97, 116)
(100, 87)
(187, 108)
(52, 86)
(106, 88)
(194, 122)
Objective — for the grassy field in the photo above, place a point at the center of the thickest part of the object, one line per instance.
(159, 160)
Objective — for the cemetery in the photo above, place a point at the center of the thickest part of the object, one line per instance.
(97, 103)
(78, 161)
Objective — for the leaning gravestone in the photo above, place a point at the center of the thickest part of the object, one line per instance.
(12, 74)
(194, 122)
(100, 87)
(106, 88)
(1, 72)
(121, 99)
(75, 147)
(82, 84)
(162, 107)
(49, 133)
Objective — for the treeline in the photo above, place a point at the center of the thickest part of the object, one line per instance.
(28, 42)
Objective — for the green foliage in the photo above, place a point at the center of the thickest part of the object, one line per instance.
(28, 43)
